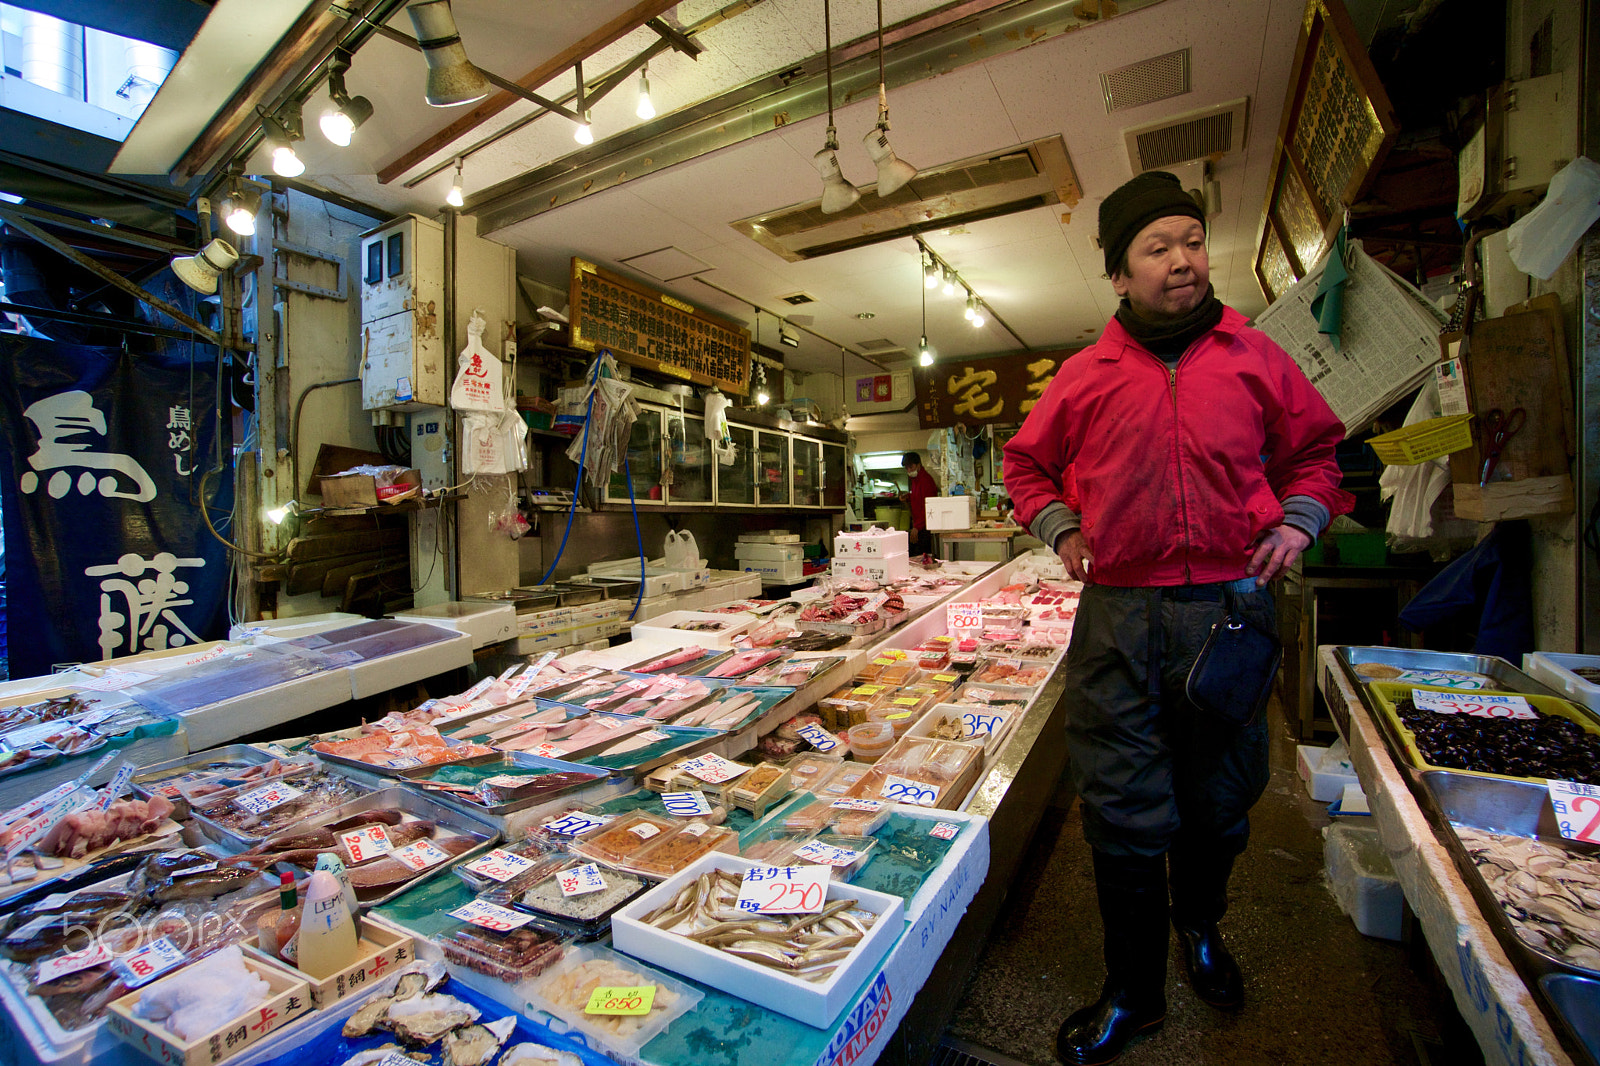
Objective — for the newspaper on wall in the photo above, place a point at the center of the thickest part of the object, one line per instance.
(1390, 339)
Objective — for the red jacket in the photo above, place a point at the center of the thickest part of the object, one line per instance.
(921, 488)
(1176, 473)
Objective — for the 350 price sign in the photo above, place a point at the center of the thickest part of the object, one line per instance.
(784, 889)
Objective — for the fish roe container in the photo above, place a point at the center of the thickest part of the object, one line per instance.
(666, 855)
(805, 771)
(870, 741)
(759, 789)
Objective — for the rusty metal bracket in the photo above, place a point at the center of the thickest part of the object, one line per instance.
(336, 293)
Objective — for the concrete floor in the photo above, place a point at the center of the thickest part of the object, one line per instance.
(1317, 990)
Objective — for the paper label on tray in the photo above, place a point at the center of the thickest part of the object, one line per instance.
(477, 690)
(149, 962)
(609, 999)
(644, 830)
(421, 855)
(500, 717)
(974, 724)
(784, 889)
(905, 701)
(696, 829)
(1439, 679)
(871, 806)
(670, 681)
(866, 690)
(818, 737)
(366, 843)
(1577, 808)
(116, 786)
(510, 780)
(899, 790)
(945, 830)
(499, 865)
(574, 824)
(402, 762)
(491, 917)
(713, 769)
(1479, 705)
(203, 868)
(651, 736)
(897, 717)
(394, 1058)
(882, 662)
(24, 834)
(58, 967)
(963, 616)
(512, 669)
(982, 695)
(266, 797)
(686, 804)
(826, 854)
(581, 880)
(547, 750)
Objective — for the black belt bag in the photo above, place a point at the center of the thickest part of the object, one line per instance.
(1232, 676)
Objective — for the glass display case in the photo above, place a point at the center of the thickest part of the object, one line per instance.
(807, 472)
(644, 463)
(736, 482)
(772, 467)
(835, 475)
(689, 459)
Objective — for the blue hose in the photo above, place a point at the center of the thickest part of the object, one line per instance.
(637, 536)
(582, 454)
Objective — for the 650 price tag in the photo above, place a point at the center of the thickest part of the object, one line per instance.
(1477, 704)
(611, 1000)
(149, 962)
(784, 889)
(489, 916)
(899, 790)
(1577, 808)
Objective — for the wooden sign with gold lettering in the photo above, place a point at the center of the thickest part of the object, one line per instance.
(645, 327)
(971, 392)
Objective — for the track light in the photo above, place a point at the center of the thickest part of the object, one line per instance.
(452, 79)
(646, 109)
(584, 134)
(930, 275)
(976, 316)
(788, 335)
(280, 137)
(454, 197)
(949, 282)
(924, 353)
(201, 270)
(340, 122)
(239, 211)
(972, 307)
(837, 193)
(893, 172)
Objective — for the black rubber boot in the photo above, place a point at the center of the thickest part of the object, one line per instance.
(1132, 894)
(1199, 900)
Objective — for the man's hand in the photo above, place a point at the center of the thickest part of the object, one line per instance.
(1074, 552)
(1276, 551)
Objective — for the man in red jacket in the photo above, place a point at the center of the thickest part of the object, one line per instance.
(919, 487)
(1198, 463)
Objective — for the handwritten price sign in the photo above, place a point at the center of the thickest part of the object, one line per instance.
(1477, 704)
(819, 737)
(964, 617)
(421, 855)
(574, 824)
(547, 750)
(1440, 679)
(1577, 808)
(686, 804)
(489, 916)
(827, 854)
(149, 962)
(366, 843)
(975, 724)
(499, 865)
(713, 769)
(60, 966)
(784, 889)
(581, 880)
(899, 790)
(870, 806)
(609, 1000)
(267, 797)
(945, 830)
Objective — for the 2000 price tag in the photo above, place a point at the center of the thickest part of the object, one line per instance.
(366, 843)
(686, 804)
(899, 790)
(1577, 808)
(611, 1000)
(784, 889)
(149, 962)
(574, 824)
(819, 737)
(499, 865)
(266, 797)
(1476, 704)
(489, 916)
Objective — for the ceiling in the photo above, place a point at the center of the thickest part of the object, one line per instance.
(1032, 71)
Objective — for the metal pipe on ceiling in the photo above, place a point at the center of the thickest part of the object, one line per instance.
(805, 329)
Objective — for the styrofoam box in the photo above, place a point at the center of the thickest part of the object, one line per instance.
(541, 642)
(663, 628)
(485, 623)
(871, 542)
(878, 568)
(951, 512)
(782, 553)
(1325, 776)
(1363, 879)
(775, 573)
(813, 1004)
(1556, 670)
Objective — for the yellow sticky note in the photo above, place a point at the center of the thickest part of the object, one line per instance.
(905, 701)
(612, 1000)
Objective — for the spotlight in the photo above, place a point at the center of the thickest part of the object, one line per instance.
(762, 397)
(454, 197)
(340, 122)
(949, 283)
(277, 514)
(837, 193)
(452, 79)
(239, 211)
(646, 109)
(788, 335)
(584, 134)
(977, 317)
(201, 270)
(893, 172)
(972, 306)
(925, 353)
(930, 275)
(280, 138)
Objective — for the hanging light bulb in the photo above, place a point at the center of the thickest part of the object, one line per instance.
(837, 193)
(975, 315)
(761, 386)
(454, 197)
(972, 307)
(281, 140)
(930, 274)
(646, 110)
(893, 172)
(584, 134)
(949, 283)
(924, 353)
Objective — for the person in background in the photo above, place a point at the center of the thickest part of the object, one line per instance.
(1201, 464)
(920, 486)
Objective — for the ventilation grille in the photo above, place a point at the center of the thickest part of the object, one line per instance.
(881, 344)
(797, 299)
(1208, 133)
(1147, 81)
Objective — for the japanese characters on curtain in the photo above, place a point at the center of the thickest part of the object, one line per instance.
(101, 453)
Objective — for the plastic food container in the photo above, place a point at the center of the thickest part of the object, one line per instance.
(666, 855)
(563, 990)
(511, 957)
(848, 705)
(587, 916)
(757, 790)
(619, 840)
(839, 783)
(775, 845)
(856, 818)
(805, 771)
(1021, 673)
(870, 741)
(535, 849)
(872, 670)
(863, 846)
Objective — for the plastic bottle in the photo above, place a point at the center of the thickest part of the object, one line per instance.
(335, 866)
(275, 928)
(327, 929)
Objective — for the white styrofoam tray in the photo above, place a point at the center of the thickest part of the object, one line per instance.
(663, 628)
(1556, 670)
(813, 1004)
(485, 623)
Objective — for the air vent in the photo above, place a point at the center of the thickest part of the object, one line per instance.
(668, 264)
(882, 344)
(1145, 82)
(1033, 175)
(798, 299)
(1207, 133)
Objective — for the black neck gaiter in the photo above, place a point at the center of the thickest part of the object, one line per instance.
(1172, 337)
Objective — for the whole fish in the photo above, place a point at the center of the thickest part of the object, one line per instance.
(678, 658)
(384, 875)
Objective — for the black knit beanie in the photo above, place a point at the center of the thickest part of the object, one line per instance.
(1134, 205)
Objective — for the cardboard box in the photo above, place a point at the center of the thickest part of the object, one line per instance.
(883, 568)
(289, 998)
(952, 512)
(873, 542)
(359, 490)
(384, 951)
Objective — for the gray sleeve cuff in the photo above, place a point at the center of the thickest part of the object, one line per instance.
(1306, 515)
(1057, 518)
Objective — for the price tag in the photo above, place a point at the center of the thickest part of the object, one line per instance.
(574, 824)
(818, 737)
(581, 880)
(644, 830)
(870, 806)
(117, 785)
(974, 724)
(882, 661)
(25, 834)
(651, 736)
(686, 804)
(477, 690)
(267, 797)
(945, 830)
(366, 843)
(149, 962)
(961, 617)
(784, 889)
(713, 769)
(402, 762)
(1577, 808)
(547, 750)
(1439, 679)
(60, 966)
(827, 854)
(866, 690)
(499, 865)
(491, 917)
(899, 790)
(611, 1000)
(500, 717)
(421, 855)
(510, 780)
(513, 668)
(203, 868)
(906, 701)
(1477, 704)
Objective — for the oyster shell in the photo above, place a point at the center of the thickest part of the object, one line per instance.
(474, 1045)
(378, 1054)
(411, 981)
(427, 1018)
(538, 1055)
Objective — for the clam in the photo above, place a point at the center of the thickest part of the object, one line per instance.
(474, 1045)
(425, 1019)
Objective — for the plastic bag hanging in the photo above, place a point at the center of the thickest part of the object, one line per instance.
(478, 385)
(611, 412)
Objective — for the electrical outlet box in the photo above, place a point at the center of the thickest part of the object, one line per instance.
(402, 307)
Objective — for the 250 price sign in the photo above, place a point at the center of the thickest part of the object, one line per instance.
(784, 889)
